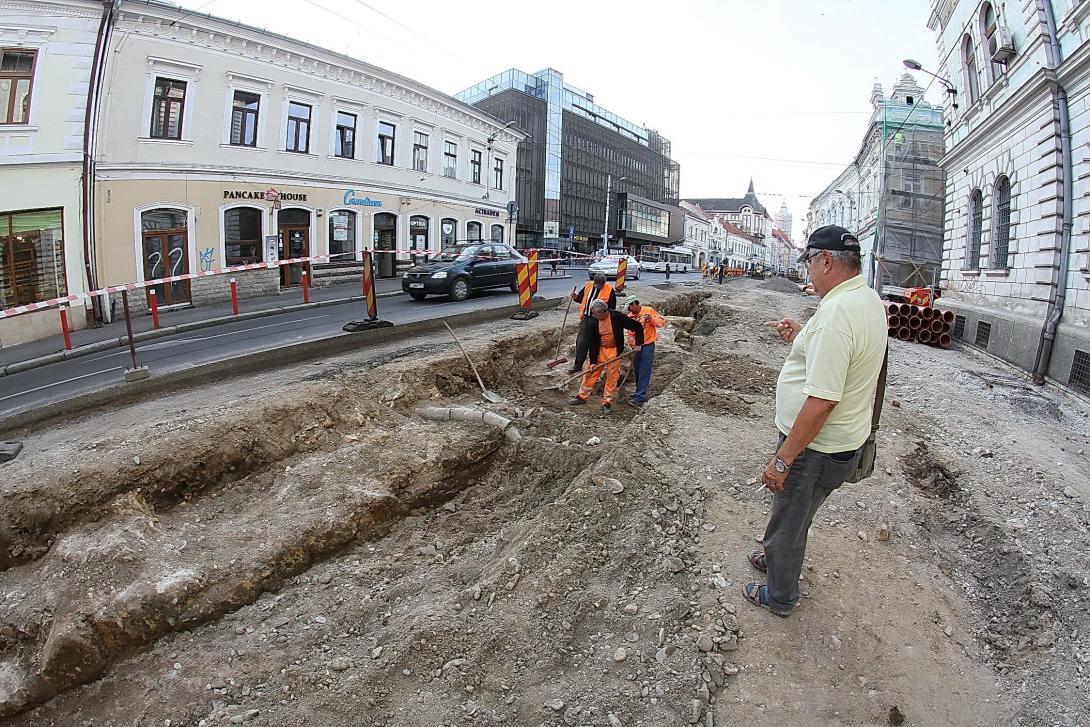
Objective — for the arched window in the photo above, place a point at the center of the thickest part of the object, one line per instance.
(242, 236)
(497, 233)
(989, 26)
(1001, 216)
(976, 222)
(342, 233)
(972, 74)
(448, 231)
(473, 232)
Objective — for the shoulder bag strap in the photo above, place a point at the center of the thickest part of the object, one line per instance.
(880, 393)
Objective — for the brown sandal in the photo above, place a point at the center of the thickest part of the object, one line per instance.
(757, 560)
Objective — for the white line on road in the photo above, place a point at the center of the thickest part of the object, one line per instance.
(60, 383)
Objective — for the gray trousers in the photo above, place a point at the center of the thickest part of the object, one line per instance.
(812, 478)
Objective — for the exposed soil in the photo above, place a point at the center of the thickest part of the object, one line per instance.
(301, 548)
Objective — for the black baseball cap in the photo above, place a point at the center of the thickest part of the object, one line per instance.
(830, 237)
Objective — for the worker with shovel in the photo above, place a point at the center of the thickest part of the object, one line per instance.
(605, 346)
(642, 362)
(597, 289)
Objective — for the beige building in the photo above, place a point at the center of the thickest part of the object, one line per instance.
(47, 52)
(225, 145)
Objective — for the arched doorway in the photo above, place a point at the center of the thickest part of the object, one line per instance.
(386, 239)
(294, 229)
(418, 237)
(164, 247)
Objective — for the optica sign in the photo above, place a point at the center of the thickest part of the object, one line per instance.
(351, 200)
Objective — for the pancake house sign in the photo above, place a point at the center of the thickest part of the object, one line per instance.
(271, 194)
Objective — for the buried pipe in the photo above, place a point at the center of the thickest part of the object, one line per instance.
(466, 414)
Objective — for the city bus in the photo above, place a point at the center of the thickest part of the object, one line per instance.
(654, 257)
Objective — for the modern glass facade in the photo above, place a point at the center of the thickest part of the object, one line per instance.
(564, 167)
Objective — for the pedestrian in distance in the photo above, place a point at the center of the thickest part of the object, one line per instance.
(721, 271)
(604, 345)
(824, 403)
(644, 360)
(597, 289)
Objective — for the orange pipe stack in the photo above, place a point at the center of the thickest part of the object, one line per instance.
(919, 323)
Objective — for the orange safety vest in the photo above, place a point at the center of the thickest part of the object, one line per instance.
(603, 295)
(650, 327)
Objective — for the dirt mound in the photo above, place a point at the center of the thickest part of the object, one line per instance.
(782, 285)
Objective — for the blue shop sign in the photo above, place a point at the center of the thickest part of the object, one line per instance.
(351, 200)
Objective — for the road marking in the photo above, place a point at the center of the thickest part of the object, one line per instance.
(60, 383)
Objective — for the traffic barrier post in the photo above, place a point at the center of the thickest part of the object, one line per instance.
(372, 320)
(533, 272)
(526, 301)
(64, 328)
(137, 372)
(234, 297)
(153, 304)
(622, 270)
(306, 288)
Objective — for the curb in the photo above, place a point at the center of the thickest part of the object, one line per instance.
(112, 343)
(121, 393)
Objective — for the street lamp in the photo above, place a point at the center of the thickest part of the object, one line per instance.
(605, 231)
(915, 66)
(488, 159)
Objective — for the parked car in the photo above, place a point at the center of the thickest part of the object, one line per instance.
(608, 267)
(459, 270)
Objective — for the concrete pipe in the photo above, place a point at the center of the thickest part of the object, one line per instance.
(915, 322)
(465, 414)
(904, 333)
(924, 336)
(937, 325)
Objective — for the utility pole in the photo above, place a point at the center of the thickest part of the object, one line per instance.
(605, 227)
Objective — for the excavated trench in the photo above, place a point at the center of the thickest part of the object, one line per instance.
(104, 559)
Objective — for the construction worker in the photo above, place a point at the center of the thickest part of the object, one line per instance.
(605, 345)
(644, 359)
(597, 289)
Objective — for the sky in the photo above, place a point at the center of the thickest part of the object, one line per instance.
(776, 90)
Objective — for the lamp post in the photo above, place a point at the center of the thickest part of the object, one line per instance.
(605, 230)
(915, 66)
(488, 159)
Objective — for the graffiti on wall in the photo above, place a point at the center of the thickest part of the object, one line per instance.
(206, 259)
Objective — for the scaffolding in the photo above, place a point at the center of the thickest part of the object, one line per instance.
(908, 235)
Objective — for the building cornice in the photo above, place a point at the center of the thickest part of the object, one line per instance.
(48, 8)
(174, 25)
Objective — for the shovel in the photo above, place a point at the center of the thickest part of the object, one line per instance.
(561, 359)
(565, 382)
(488, 395)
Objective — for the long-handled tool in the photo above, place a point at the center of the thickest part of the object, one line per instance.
(488, 395)
(562, 359)
(570, 379)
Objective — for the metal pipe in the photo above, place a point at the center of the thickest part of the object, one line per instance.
(925, 336)
(904, 333)
(894, 321)
(915, 323)
(1063, 116)
(948, 316)
(937, 325)
(945, 341)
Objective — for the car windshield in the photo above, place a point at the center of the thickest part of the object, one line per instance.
(457, 254)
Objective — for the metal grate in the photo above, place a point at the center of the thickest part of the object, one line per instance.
(983, 333)
(1080, 371)
(959, 326)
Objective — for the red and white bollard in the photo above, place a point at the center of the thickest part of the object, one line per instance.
(64, 328)
(306, 288)
(153, 303)
(234, 297)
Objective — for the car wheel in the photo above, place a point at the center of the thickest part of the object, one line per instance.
(459, 290)
(418, 296)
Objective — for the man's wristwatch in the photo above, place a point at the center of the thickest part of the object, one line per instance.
(781, 466)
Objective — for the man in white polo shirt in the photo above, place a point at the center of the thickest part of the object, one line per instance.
(824, 402)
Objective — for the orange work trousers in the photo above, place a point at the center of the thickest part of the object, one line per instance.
(613, 375)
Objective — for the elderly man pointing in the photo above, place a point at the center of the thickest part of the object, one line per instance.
(824, 402)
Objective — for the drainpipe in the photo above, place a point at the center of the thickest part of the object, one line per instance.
(87, 178)
(1063, 116)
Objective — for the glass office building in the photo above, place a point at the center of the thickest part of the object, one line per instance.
(576, 149)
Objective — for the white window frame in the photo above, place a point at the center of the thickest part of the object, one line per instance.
(176, 71)
(340, 105)
(400, 128)
(249, 84)
(313, 99)
(25, 37)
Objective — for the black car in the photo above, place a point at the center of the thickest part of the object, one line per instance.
(459, 270)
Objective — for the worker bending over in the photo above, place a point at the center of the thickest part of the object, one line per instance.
(597, 289)
(605, 343)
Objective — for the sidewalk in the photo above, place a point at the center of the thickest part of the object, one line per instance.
(201, 316)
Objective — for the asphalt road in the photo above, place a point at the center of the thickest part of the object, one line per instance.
(66, 379)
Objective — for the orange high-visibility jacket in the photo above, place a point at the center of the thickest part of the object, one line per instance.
(652, 322)
(606, 294)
